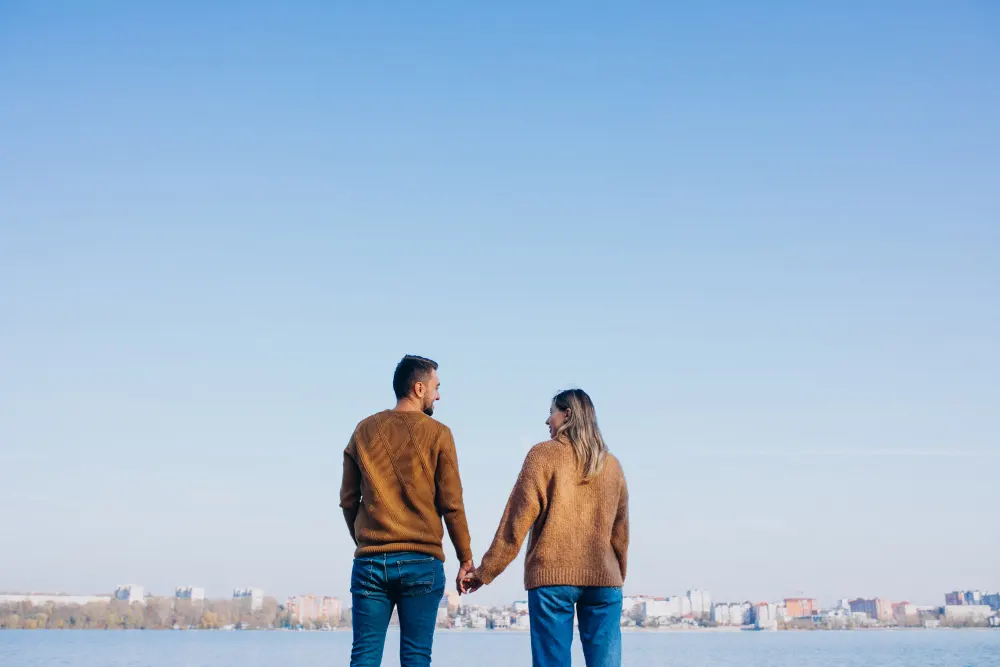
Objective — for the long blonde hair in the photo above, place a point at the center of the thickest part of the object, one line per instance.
(582, 432)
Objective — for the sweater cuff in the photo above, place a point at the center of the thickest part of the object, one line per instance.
(485, 572)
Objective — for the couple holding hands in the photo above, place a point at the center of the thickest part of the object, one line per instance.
(401, 479)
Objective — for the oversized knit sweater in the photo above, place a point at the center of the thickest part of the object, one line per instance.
(400, 479)
(579, 530)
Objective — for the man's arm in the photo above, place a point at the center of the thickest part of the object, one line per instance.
(448, 497)
(350, 487)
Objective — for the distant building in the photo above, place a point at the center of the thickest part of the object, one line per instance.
(959, 598)
(332, 609)
(720, 614)
(701, 603)
(254, 595)
(521, 607)
(685, 604)
(630, 602)
(967, 613)
(905, 613)
(800, 607)
(192, 593)
(57, 599)
(130, 593)
(764, 615)
(835, 614)
(739, 614)
(992, 601)
(305, 608)
(660, 609)
(862, 618)
(453, 600)
(442, 613)
(731, 614)
(877, 609)
(863, 606)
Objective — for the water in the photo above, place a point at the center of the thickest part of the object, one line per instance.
(96, 648)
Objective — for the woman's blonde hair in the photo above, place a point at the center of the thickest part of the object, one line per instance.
(582, 432)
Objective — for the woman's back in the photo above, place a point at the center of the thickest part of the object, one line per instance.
(579, 529)
(571, 496)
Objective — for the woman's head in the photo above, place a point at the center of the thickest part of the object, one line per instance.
(572, 417)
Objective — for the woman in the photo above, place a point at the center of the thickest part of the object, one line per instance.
(571, 496)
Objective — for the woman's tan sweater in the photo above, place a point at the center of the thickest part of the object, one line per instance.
(579, 530)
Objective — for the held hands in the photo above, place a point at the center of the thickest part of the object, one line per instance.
(470, 582)
(464, 571)
(467, 581)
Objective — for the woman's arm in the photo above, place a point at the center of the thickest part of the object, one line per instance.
(523, 508)
(619, 531)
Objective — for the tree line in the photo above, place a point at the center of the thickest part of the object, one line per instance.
(155, 614)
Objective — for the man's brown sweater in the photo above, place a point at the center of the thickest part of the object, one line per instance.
(400, 479)
(579, 530)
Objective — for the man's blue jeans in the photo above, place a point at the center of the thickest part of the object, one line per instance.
(599, 611)
(414, 583)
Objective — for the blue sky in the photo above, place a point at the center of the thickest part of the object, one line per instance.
(765, 239)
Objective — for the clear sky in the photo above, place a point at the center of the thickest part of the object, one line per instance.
(765, 239)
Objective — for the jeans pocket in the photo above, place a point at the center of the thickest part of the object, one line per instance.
(420, 576)
(363, 580)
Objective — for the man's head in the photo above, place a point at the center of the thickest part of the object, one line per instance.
(416, 381)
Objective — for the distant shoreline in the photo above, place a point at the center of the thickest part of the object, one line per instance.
(505, 631)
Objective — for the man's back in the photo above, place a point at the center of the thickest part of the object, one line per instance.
(400, 479)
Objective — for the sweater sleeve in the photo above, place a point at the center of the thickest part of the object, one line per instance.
(448, 497)
(350, 487)
(523, 507)
(619, 531)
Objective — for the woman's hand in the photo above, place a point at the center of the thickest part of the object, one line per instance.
(471, 582)
(463, 573)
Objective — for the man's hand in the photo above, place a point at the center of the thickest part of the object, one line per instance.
(472, 582)
(350, 516)
(463, 574)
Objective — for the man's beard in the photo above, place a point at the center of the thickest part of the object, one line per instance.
(429, 411)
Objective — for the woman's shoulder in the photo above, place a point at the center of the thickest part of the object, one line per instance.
(549, 451)
(613, 465)
(613, 460)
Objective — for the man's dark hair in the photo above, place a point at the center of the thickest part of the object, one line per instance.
(410, 370)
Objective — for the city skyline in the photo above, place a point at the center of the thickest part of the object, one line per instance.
(693, 609)
(699, 602)
(762, 237)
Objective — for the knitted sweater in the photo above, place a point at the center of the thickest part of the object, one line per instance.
(400, 479)
(579, 530)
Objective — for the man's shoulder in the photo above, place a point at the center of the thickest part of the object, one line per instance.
(371, 421)
(417, 421)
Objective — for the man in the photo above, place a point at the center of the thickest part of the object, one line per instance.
(400, 479)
